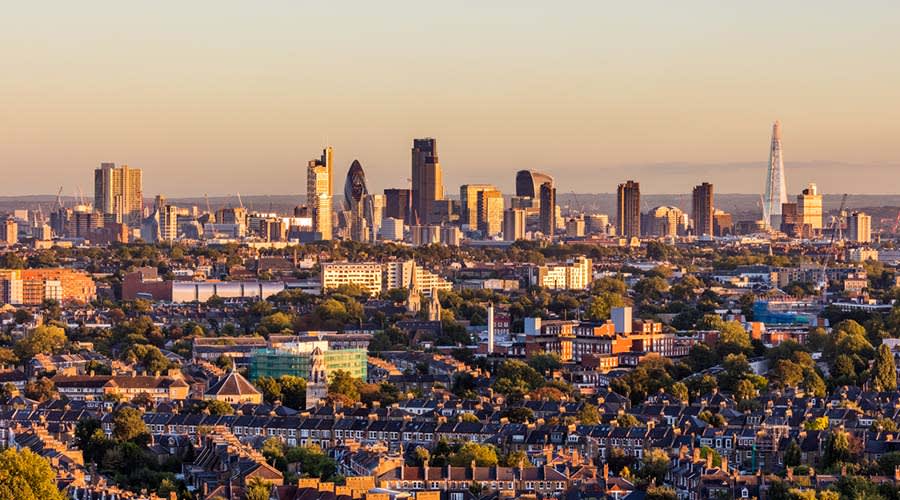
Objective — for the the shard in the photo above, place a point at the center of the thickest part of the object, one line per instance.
(776, 190)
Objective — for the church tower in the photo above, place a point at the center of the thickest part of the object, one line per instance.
(317, 385)
(434, 306)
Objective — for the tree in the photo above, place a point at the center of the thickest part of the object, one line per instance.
(702, 357)
(482, 454)
(793, 454)
(219, 408)
(41, 389)
(787, 374)
(838, 448)
(518, 414)
(680, 391)
(224, 362)
(270, 388)
(257, 489)
(312, 462)
(627, 420)
(128, 425)
(344, 384)
(25, 475)
(655, 465)
(545, 362)
(744, 391)
(588, 414)
(277, 322)
(816, 424)
(514, 459)
(149, 356)
(733, 339)
(293, 392)
(602, 305)
(660, 493)
(44, 339)
(884, 372)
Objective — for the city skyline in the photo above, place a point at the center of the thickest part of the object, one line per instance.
(603, 89)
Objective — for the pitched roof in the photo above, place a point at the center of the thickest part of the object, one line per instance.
(233, 384)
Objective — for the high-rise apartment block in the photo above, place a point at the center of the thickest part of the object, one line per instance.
(118, 193)
(628, 210)
(702, 209)
(809, 207)
(859, 227)
(10, 232)
(576, 274)
(427, 180)
(319, 191)
(34, 286)
(374, 277)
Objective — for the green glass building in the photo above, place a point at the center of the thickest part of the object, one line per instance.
(277, 362)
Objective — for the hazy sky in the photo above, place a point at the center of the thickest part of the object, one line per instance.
(221, 96)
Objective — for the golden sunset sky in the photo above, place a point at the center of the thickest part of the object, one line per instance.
(221, 97)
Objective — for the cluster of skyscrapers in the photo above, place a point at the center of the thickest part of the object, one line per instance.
(481, 209)
(421, 213)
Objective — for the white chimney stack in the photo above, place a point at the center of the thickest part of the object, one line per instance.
(490, 322)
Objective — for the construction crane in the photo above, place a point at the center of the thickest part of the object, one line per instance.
(836, 223)
(59, 203)
(240, 202)
(208, 208)
(579, 210)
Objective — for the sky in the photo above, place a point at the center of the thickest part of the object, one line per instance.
(236, 96)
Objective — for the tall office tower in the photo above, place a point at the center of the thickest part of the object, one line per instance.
(528, 187)
(859, 227)
(397, 203)
(118, 192)
(628, 210)
(791, 224)
(776, 190)
(377, 205)
(490, 212)
(358, 203)
(703, 209)
(427, 181)
(548, 209)
(468, 204)
(597, 224)
(319, 190)
(10, 232)
(809, 207)
(514, 224)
